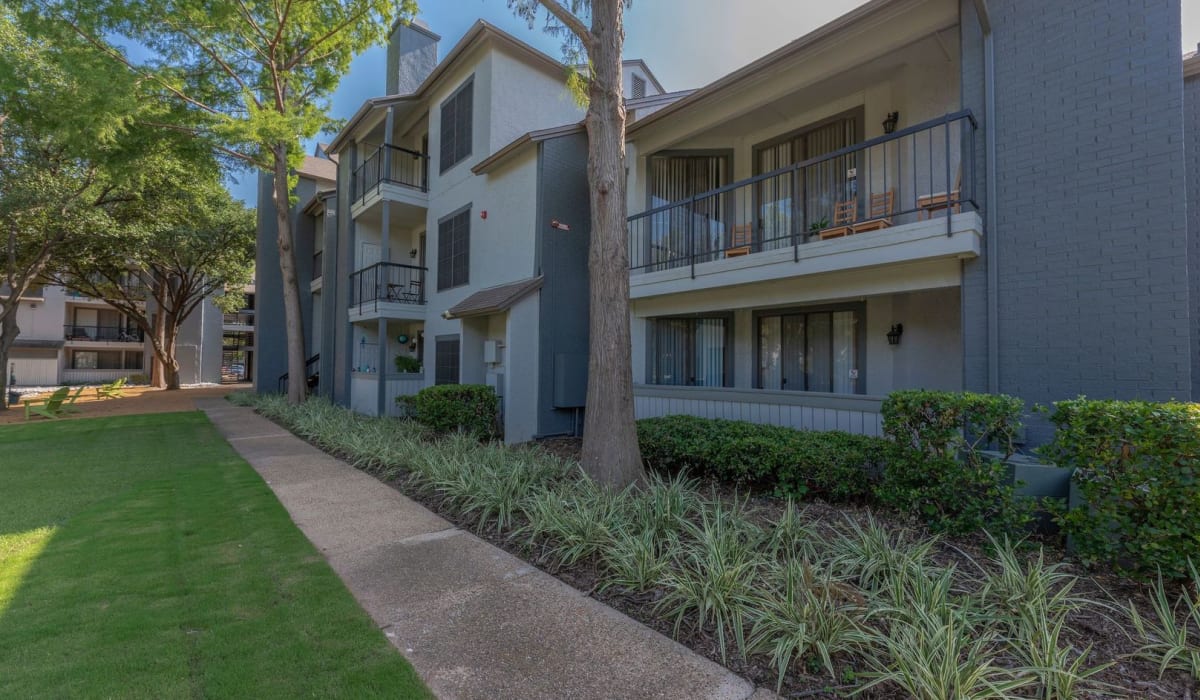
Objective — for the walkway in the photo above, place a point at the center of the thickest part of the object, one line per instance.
(475, 621)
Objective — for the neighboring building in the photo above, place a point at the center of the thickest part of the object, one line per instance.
(455, 236)
(237, 341)
(792, 257)
(68, 338)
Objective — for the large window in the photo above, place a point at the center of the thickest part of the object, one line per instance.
(105, 359)
(690, 351)
(454, 250)
(446, 349)
(676, 178)
(456, 126)
(819, 350)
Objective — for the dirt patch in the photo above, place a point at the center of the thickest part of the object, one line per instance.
(138, 399)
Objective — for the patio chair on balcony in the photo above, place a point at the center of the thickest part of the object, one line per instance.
(844, 214)
(879, 213)
(930, 204)
(740, 238)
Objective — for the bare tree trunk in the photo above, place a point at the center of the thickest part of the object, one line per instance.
(610, 448)
(294, 324)
(170, 363)
(8, 335)
(158, 340)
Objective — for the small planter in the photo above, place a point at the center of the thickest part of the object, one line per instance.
(1039, 481)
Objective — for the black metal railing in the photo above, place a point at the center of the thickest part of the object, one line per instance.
(391, 164)
(316, 268)
(241, 318)
(387, 282)
(237, 340)
(312, 374)
(921, 172)
(103, 334)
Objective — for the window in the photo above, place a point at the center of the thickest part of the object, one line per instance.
(454, 250)
(690, 351)
(446, 360)
(105, 359)
(639, 86)
(456, 126)
(676, 178)
(812, 351)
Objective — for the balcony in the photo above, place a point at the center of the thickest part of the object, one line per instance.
(388, 290)
(102, 334)
(393, 174)
(903, 197)
(241, 318)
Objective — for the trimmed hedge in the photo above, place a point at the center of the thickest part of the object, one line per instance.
(1137, 465)
(833, 465)
(937, 470)
(448, 408)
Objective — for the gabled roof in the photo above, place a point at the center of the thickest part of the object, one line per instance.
(321, 169)
(489, 163)
(645, 69)
(478, 33)
(1191, 63)
(495, 299)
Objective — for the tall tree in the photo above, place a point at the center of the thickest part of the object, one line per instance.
(184, 241)
(255, 76)
(594, 29)
(65, 158)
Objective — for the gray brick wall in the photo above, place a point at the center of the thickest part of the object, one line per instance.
(1191, 128)
(1094, 292)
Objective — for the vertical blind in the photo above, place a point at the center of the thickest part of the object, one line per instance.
(816, 351)
(689, 352)
(454, 250)
(675, 179)
(446, 361)
(456, 125)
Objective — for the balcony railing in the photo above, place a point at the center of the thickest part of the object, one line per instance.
(316, 269)
(387, 282)
(391, 164)
(921, 172)
(103, 334)
(241, 318)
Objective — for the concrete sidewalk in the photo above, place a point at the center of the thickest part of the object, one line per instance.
(474, 621)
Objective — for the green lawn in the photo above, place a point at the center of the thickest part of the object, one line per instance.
(141, 557)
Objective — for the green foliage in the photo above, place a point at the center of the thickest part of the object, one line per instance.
(937, 470)
(407, 364)
(138, 379)
(832, 464)
(573, 522)
(1137, 465)
(1171, 638)
(447, 408)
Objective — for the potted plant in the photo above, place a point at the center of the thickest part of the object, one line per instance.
(407, 365)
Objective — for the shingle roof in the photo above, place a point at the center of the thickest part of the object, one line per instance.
(495, 299)
(318, 169)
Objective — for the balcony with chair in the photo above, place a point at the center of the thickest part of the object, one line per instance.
(85, 334)
(388, 290)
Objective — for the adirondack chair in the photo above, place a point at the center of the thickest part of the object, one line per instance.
(50, 407)
(69, 406)
(112, 390)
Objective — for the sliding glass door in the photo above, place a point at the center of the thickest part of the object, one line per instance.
(689, 352)
(676, 179)
(811, 351)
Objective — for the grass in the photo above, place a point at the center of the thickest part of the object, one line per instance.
(140, 557)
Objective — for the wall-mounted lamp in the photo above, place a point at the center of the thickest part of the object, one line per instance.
(889, 124)
(413, 253)
(894, 334)
(558, 225)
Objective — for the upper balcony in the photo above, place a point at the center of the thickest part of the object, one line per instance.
(392, 174)
(388, 290)
(91, 333)
(240, 320)
(898, 198)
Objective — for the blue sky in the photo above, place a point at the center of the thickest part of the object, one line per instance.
(664, 33)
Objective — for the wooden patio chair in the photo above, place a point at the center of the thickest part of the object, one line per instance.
(740, 238)
(112, 390)
(844, 213)
(930, 204)
(879, 213)
(49, 407)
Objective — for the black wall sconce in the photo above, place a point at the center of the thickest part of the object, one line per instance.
(894, 334)
(889, 124)
(413, 253)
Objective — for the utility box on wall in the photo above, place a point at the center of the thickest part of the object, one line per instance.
(491, 352)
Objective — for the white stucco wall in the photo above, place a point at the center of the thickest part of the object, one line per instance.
(521, 375)
(42, 319)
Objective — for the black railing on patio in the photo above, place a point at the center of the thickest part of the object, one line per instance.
(391, 164)
(387, 282)
(921, 172)
(103, 334)
(240, 318)
(312, 375)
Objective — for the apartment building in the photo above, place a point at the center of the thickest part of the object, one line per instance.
(237, 340)
(987, 195)
(68, 338)
(446, 225)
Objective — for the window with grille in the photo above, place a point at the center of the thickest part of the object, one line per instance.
(446, 359)
(454, 250)
(456, 126)
(690, 351)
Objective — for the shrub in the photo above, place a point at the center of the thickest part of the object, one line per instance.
(138, 379)
(797, 462)
(447, 408)
(937, 469)
(406, 364)
(1137, 464)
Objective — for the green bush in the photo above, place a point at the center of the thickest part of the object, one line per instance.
(1137, 465)
(831, 464)
(138, 379)
(407, 365)
(447, 408)
(937, 470)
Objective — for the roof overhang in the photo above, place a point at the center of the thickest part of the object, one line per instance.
(1191, 64)
(494, 300)
(496, 159)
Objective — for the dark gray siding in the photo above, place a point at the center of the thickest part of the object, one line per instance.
(270, 332)
(562, 260)
(1091, 232)
(1191, 128)
(339, 327)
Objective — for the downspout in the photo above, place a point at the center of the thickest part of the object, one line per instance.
(992, 236)
(385, 256)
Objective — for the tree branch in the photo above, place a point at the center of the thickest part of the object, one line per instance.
(571, 22)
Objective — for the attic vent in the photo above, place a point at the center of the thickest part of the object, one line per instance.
(639, 86)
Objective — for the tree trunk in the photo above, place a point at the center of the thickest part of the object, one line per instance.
(610, 448)
(294, 324)
(170, 363)
(8, 335)
(158, 340)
